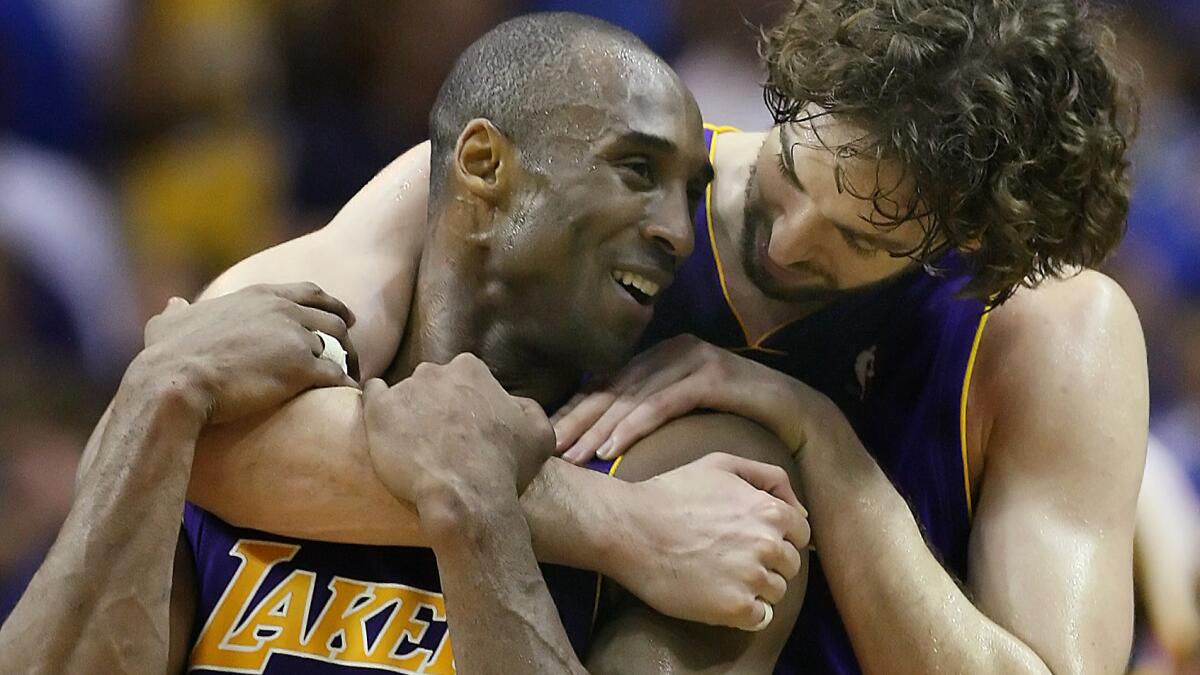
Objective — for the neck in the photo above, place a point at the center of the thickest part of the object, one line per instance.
(456, 309)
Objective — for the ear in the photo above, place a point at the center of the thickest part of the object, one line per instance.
(484, 161)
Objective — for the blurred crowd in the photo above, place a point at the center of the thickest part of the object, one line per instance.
(145, 146)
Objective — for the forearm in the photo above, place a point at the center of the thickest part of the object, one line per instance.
(903, 611)
(100, 602)
(313, 450)
(501, 615)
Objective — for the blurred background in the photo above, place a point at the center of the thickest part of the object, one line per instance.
(146, 146)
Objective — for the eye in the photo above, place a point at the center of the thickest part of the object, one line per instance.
(785, 171)
(857, 245)
(638, 170)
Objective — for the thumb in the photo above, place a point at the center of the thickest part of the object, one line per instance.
(373, 388)
(175, 304)
(766, 477)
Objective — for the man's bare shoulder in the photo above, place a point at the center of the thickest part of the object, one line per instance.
(1065, 361)
(1075, 326)
(388, 211)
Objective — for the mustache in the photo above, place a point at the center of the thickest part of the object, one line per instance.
(757, 223)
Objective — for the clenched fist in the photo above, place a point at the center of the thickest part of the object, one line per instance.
(452, 429)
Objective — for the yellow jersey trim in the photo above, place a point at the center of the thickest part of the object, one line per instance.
(962, 419)
(712, 237)
(751, 345)
(612, 471)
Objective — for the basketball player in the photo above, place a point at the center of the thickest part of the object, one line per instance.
(99, 602)
(973, 488)
(519, 261)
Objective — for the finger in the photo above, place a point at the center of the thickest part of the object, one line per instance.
(311, 295)
(662, 407)
(786, 561)
(326, 373)
(315, 344)
(599, 436)
(773, 588)
(333, 325)
(568, 406)
(758, 616)
(571, 426)
(373, 389)
(800, 532)
(766, 477)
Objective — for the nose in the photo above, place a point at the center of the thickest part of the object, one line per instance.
(671, 229)
(793, 238)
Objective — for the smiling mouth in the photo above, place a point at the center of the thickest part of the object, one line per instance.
(637, 286)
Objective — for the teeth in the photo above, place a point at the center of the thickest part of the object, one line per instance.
(637, 281)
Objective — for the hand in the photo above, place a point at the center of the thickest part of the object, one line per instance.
(453, 427)
(670, 380)
(253, 349)
(728, 526)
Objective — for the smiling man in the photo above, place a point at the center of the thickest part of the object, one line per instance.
(971, 476)
(565, 163)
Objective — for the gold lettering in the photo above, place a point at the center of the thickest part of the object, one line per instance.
(258, 557)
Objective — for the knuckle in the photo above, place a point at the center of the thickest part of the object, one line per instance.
(765, 546)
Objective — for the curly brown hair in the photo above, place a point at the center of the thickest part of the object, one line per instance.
(1007, 115)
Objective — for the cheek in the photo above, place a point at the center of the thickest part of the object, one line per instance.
(860, 271)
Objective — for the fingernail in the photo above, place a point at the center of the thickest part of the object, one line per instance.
(606, 450)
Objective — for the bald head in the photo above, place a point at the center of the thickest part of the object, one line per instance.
(532, 75)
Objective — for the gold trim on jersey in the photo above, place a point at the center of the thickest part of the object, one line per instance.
(962, 419)
(751, 345)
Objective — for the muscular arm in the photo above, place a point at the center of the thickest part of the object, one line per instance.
(101, 600)
(496, 596)
(315, 447)
(633, 637)
(1061, 391)
(366, 257)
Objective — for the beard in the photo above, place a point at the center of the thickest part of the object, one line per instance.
(756, 237)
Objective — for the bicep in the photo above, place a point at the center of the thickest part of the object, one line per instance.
(301, 470)
(1052, 543)
(367, 257)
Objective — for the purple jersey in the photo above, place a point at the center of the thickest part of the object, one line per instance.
(272, 604)
(897, 362)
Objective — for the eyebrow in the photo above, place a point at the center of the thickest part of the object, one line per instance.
(664, 146)
(657, 143)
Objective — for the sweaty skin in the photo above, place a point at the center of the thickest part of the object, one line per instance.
(623, 206)
(102, 602)
(1057, 407)
(1057, 404)
(316, 442)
